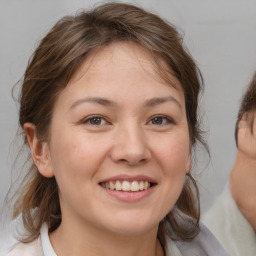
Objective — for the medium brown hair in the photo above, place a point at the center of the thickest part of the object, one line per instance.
(53, 63)
(248, 103)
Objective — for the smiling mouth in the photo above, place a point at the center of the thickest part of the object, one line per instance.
(127, 186)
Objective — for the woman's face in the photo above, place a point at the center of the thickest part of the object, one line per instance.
(119, 144)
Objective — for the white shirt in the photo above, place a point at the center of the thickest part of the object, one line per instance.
(39, 247)
(231, 228)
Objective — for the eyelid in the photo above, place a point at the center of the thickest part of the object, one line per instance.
(88, 118)
(169, 119)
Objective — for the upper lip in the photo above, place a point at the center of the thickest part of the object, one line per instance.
(129, 178)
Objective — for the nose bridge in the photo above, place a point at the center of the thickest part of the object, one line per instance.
(131, 145)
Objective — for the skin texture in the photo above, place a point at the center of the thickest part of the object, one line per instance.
(243, 174)
(141, 129)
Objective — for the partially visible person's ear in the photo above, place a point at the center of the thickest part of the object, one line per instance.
(246, 135)
(39, 150)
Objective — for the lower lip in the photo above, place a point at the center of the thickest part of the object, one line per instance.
(130, 196)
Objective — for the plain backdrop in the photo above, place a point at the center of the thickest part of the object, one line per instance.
(220, 35)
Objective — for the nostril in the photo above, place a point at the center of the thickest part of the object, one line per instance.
(136, 161)
(131, 153)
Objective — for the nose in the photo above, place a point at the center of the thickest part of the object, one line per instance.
(130, 146)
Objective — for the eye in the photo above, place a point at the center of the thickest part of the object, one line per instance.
(95, 120)
(160, 120)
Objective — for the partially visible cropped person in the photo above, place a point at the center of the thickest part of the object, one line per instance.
(232, 218)
(109, 110)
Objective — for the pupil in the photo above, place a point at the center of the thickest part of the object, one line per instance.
(157, 120)
(95, 120)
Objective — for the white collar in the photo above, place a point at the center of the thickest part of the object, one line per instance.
(45, 240)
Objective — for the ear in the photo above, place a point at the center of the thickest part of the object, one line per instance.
(246, 135)
(188, 164)
(39, 150)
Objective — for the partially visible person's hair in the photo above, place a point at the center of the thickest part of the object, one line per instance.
(248, 104)
(53, 63)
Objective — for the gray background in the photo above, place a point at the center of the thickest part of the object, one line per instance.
(220, 35)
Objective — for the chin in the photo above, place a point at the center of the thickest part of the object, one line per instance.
(133, 230)
(133, 225)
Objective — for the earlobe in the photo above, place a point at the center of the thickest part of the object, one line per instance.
(188, 166)
(39, 150)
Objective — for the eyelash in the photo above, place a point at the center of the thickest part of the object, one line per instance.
(90, 119)
(167, 120)
(164, 120)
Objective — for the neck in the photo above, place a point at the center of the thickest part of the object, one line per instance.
(90, 241)
(244, 161)
(242, 186)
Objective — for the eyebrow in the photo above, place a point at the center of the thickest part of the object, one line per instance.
(106, 102)
(156, 101)
(100, 101)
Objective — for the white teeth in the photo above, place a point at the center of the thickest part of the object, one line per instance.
(126, 186)
(111, 185)
(118, 185)
(133, 186)
(141, 185)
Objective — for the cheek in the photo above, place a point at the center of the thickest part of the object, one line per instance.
(173, 154)
(75, 158)
(76, 161)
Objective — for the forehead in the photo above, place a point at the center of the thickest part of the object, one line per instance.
(127, 58)
(125, 75)
(122, 72)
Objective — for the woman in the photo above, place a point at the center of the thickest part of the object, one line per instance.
(109, 110)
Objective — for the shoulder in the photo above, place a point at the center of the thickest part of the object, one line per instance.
(228, 224)
(225, 211)
(222, 209)
(27, 249)
(204, 244)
